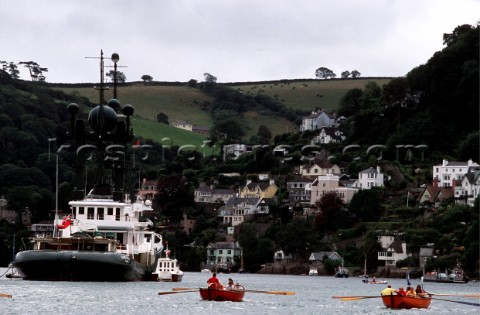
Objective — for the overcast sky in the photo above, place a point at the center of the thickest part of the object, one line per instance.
(234, 40)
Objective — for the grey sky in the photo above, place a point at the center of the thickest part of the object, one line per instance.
(234, 40)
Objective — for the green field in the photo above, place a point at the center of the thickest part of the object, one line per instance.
(180, 102)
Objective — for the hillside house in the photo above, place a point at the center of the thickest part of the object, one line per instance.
(148, 189)
(299, 190)
(328, 135)
(393, 250)
(323, 167)
(330, 183)
(203, 130)
(259, 190)
(369, 178)
(317, 120)
(468, 189)
(182, 124)
(237, 210)
(207, 194)
(224, 256)
(433, 196)
(448, 173)
(234, 150)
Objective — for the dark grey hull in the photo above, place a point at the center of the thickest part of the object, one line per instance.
(51, 265)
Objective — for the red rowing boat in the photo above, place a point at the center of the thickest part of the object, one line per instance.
(211, 294)
(400, 302)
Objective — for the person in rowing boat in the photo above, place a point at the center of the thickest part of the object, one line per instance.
(230, 285)
(388, 290)
(214, 283)
(420, 291)
(411, 292)
(401, 291)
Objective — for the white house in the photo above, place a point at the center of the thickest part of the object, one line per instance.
(233, 151)
(393, 250)
(328, 135)
(317, 120)
(450, 172)
(182, 124)
(466, 191)
(369, 178)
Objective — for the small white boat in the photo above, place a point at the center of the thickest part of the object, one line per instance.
(167, 269)
(206, 270)
(313, 271)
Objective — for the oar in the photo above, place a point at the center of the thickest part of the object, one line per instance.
(460, 302)
(476, 295)
(183, 289)
(5, 295)
(269, 292)
(176, 292)
(356, 298)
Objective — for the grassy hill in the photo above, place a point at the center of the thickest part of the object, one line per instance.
(190, 104)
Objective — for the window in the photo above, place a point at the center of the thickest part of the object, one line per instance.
(100, 213)
(109, 211)
(90, 213)
(81, 210)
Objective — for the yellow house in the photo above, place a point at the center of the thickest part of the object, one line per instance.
(259, 190)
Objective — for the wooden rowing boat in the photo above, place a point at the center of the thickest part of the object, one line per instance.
(405, 302)
(211, 294)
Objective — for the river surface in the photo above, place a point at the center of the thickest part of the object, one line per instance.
(313, 295)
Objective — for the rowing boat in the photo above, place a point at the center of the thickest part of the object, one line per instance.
(406, 302)
(211, 294)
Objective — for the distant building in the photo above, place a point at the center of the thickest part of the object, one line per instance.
(207, 194)
(393, 250)
(369, 178)
(224, 256)
(323, 167)
(448, 173)
(317, 120)
(182, 124)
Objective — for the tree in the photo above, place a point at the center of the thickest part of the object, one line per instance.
(365, 204)
(345, 74)
(36, 72)
(264, 134)
(451, 38)
(324, 73)
(355, 74)
(332, 214)
(162, 118)
(174, 196)
(350, 102)
(146, 79)
(210, 78)
(121, 78)
(13, 70)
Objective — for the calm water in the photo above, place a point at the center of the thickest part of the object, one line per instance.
(313, 296)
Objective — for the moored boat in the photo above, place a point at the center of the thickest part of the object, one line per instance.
(313, 271)
(212, 294)
(457, 275)
(167, 269)
(405, 302)
(106, 235)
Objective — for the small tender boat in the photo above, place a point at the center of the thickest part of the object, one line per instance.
(405, 302)
(313, 271)
(211, 294)
(378, 282)
(167, 269)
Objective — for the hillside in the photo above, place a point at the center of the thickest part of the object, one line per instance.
(191, 104)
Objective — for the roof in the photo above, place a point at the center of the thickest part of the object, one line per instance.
(426, 251)
(370, 170)
(224, 245)
(319, 255)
